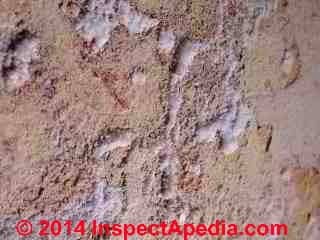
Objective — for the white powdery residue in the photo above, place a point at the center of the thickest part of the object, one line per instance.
(113, 143)
(134, 21)
(260, 7)
(108, 203)
(104, 205)
(169, 162)
(196, 170)
(223, 125)
(99, 22)
(139, 79)
(165, 165)
(184, 216)
(28, 51)
(18, 78)
(100, 202)
(232, 123)
(167, 42)
(25, 54)
(187, 53)
(103, 17)
(243, 117)
(169, 166)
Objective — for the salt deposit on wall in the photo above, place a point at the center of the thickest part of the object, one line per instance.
(15, 62)
(104, 16)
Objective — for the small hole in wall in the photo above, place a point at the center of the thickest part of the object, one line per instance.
(308, 217)
(285, 3)
(220, 186)
(283, 170)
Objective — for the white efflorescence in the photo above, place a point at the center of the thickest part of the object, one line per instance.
(104, 16)
(187, 54)
(104, 205)
(139, 79)
(232, 123)
(112, 143)
(26, 53)
(15, 63)
(108, 203)
(98, 24)
(167, 42)
(134, 21)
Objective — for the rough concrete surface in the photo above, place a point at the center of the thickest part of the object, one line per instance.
(143, 111)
